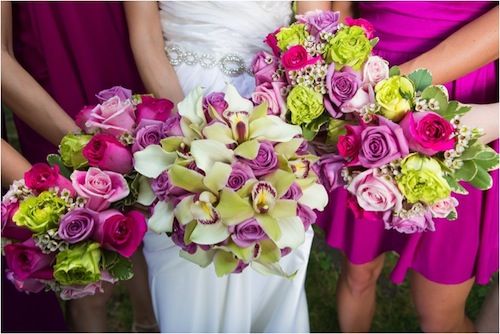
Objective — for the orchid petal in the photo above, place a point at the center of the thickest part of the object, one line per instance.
(248, 149)
(232, 208)
(171, 144)
(288, 149)
(244, 254)
(269, 252)
(206, 152)
(162, 218)
(209, 234)
(314, 196)
(224, 263)
(284, 208)
(270, 226)
(191, 107)
(235, 101)
(183, 210)
(292, 232)
(187, 130)
(187, 179)
(153, 160)
(281, 181)
(259, 111)
(272, 269)
(217, 177)
(146, 195)
(246, 190)
(273, 128)
(201, 257)
(219, 132)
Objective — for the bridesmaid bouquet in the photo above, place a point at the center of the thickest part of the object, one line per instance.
(320, 73)
(229, 183)
(406, 155)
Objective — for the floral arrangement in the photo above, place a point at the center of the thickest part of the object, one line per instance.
(231, 184)
(69, 226)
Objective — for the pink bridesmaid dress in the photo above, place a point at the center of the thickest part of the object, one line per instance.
(458, 250)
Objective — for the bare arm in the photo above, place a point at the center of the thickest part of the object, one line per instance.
(474, 45)
(344, 7)
(146, 39)
(13, 164)
(305, 6)
(486, 117)
(24, 96)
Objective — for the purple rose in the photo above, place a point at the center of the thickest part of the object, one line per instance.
(266, 160)
(303, 148)
(341, 86)
(178, 238)
(382, 144)
(413, 224)
(77, 225)
(293, 193)
(122, 93)
(148, 135)
(216, 101)
(240, 267)
(161, 186)
(264, 66)
(270, 92)
(172, 126)
(247, 233)
(240, 174)
(306, 214)
(328, 169)
(321, 21)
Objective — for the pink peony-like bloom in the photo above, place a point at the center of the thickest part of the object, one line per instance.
(113, 116)
(409, 225)
(296, 58)
(375, 193)
(270, 92)
(365, 24)
(108, 153)
(100, 188)
(375, 70)
(264, 66)
(26, 261)
(121, 233)
(427, 132)
(442, 208)
(154, 109)
(42, 177)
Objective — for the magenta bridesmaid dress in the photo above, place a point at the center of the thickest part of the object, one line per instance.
(458, 250)
(73, 50)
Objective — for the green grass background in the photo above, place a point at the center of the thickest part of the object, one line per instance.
(395, 312)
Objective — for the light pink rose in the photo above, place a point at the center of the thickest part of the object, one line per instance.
(113, 116)
(442, 208)
(363, 96)
(414, 224)
(264, 65)
(375, 70)
(270, 92)
(100, 188)
(375, 193)
(78, 291)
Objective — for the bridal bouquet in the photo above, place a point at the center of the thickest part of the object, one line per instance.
(229, 183)
(68, 226)
(407, 153)
(320, 73)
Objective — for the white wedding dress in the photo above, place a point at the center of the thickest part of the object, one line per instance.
(187, 298)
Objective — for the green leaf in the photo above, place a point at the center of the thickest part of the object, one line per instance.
(454, 185)
(55, 159)
(121, 269)
(472, 151)
(488, 165)
(225, 263)
(452, 215)
(336, 128)
(308, 134)
(467, 172)
(421, 78)
(394, 71)
(454, 108)
(109, 259)
(374, 41)
(434, 92)
(482, 179)
(487, 154)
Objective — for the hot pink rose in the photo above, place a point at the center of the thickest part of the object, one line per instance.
(264, 66)
(100, 188)
(366, 25)
(26, 260)
(270, 92)
(9, 229)
(350, 144)
(360, 213)
(41, 177)
(121, 233)
(442, 208)
(107, 152)
(155, 109)
(296, 58)
(273, 42)
(427, 132)
(83, 116)
(113, 116)
(375, 193)
(413, 224)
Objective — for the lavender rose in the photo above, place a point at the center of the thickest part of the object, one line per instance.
(264, 66)
(247, 233)
(178, 238)
(122, 93)
(306, 214)
(150, 134)
(240, 267)
(293, 193)
(240, 174)
(328, 169)
(172, 126)
(270, 92)
(382, 144)
(216, 101)
(77, 225)
(161, 186)
(412, 224)
(266, 160)
(321, 21)
(341, 86)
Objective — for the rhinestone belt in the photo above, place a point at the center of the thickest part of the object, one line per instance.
(230, 64)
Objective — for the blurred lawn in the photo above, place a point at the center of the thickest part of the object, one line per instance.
(395, 312)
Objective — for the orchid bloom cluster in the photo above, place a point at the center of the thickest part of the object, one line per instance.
(321, 71)
(406, 154)
(232, 184)
(64, 235)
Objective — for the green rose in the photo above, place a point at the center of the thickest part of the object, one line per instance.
(421, 180)
(71, 150)
(293, 35)
(40, 213)
(78, 265)
(394, 95)
(305, 104)
(348, 47)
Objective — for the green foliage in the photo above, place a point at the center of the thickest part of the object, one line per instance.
(436, 93)
(478, 159)
(55, 159)
(394, 71)
(118, 266)
(421, 78)
(454, 108)
(310, 130)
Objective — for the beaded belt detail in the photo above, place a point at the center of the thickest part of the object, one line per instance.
(230, 64)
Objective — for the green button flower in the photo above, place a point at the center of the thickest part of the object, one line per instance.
(78, 265)
(305, 104)
(394, 95)
(71, 150)
(349, 47)
(293, 35)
